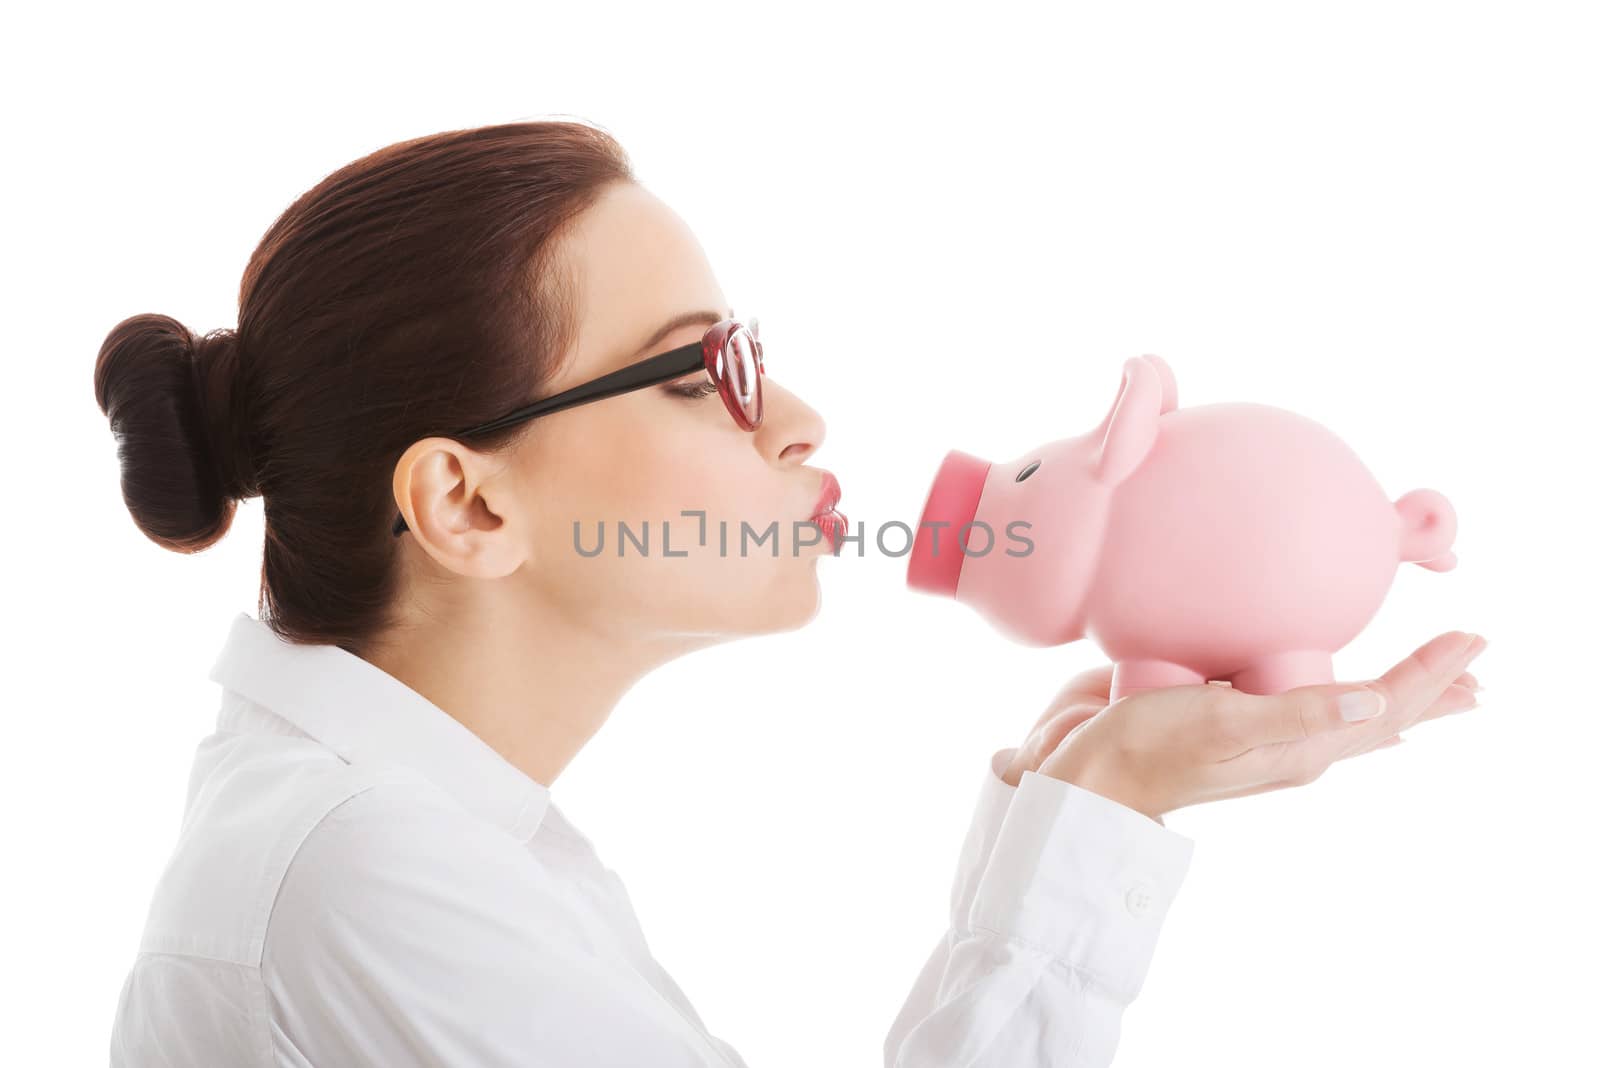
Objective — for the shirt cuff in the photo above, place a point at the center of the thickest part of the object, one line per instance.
(994, 797)
(1082, 878)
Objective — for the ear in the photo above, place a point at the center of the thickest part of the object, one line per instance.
(1169, 381)
(443, 484)
(1129, 429)
(1169, 390)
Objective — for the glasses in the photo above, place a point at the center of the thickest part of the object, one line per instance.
(730, 352)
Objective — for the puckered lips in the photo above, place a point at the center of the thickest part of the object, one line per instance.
(826, 514)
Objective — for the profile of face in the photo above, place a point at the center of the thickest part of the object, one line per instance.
(525, 524)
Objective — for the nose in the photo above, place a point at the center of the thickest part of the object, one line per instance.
(790, 430)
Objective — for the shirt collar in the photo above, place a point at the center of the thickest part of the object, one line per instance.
(363, 713)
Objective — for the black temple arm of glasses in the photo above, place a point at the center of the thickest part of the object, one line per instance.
(661, 368)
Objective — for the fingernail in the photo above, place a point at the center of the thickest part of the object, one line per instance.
(1358, 705)
(1476, 645)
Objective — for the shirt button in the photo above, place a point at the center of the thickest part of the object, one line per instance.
(1138, 899)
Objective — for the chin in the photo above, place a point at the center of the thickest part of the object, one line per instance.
(790, 604)
(786, 600)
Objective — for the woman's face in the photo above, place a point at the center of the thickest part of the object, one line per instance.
(640, 460)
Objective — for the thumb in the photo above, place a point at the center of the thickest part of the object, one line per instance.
(1298, 714)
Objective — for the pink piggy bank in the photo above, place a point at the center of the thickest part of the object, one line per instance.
(1228, 541)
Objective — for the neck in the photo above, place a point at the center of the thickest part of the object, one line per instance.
(534, 685)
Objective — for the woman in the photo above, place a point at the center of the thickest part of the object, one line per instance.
(372, 869)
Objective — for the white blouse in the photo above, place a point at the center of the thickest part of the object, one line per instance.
(361, 880)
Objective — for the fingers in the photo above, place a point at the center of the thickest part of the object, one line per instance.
(1294, 715)
(1301, 736)
(1459, 696)
(1413, 685)
(1046, 737)
(1093, 683)
(1388, 705)
(1430, 683)
(1296, 763)
(1091, 686)
(1068, 721)
(1456, 698)
(1381, 743)
(1084, 694)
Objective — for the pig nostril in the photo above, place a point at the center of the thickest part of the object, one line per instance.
(1026, 471)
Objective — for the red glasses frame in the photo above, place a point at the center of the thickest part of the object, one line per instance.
(730, 352)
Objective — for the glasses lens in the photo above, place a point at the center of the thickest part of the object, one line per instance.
(742, 378)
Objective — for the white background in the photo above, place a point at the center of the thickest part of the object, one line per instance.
(955, 224)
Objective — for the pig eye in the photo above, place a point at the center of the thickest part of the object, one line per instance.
(1026, 471)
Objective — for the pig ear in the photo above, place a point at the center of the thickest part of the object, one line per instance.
(1169, 381)
(1129, 429)
(1169, 390)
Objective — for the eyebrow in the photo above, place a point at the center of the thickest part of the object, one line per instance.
(707, 317)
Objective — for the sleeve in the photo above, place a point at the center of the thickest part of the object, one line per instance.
(1058, 899)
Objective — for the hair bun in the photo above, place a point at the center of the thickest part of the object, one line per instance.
(215, 364)
(172, 400)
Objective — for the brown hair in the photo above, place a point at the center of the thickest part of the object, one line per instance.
(412, 292)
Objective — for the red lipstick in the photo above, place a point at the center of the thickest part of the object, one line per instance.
(826, 514)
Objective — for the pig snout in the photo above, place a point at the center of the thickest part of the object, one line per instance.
(936, 550)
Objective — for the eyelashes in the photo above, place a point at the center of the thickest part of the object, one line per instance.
(703, 389)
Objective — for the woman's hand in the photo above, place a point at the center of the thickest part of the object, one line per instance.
(1086, 694)
(1163, 749)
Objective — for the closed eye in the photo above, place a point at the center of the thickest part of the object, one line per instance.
(703, 388)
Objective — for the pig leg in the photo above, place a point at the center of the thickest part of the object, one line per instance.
(1131, 675)
(1277, 672)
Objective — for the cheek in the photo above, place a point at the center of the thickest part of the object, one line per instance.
(691, 469)
(609, 473)
(646, 483)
